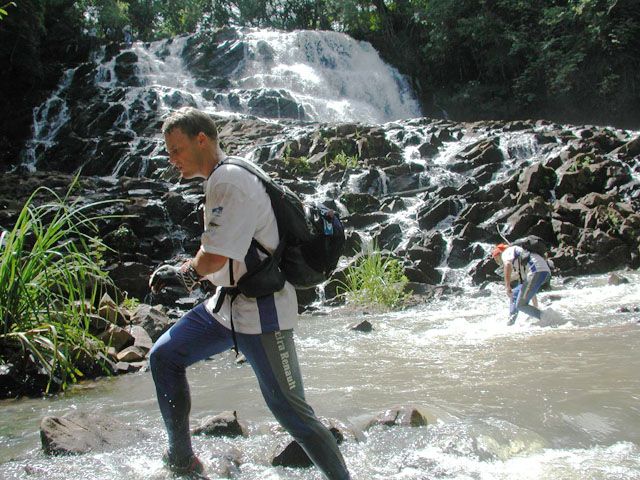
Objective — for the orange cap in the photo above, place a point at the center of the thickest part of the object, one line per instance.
(498, 249)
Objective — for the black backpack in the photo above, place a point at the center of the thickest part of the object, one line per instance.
(311, 241)
(533, 244)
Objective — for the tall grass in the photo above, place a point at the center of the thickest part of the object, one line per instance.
(50, 277)
(375, 280)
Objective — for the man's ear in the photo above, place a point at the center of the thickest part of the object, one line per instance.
(202, 138)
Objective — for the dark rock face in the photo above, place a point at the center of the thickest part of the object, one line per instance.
(430, 191)
(589, 230)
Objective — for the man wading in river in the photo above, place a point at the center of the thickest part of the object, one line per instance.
(237, 210)
(533, 271)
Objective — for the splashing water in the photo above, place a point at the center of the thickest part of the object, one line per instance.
(532, 402)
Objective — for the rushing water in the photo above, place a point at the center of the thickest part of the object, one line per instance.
(522, 402)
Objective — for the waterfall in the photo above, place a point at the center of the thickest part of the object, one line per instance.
(305, 75)
(48, 119)
(333, 76)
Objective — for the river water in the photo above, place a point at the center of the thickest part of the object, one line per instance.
(525, 402)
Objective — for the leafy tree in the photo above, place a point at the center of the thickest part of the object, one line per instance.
(143, 18)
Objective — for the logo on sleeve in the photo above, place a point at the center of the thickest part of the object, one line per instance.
(215, 213)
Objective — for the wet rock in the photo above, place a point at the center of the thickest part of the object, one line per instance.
(376, 145)
(125, 69)
(528, 215)
(360, 202)
(225, 424)
(80, 432)
(483, 270)
(294, 456)
(428, 273)
(538, 179)
(142, 338)
(228, 465)
(399, 416)
(364, 326)
(430, 215)
(179, 207)
(305, 297)
(109, 310)
(427, 255)
(483, 152)
(132, 277)
(214, 53)
(123, 367)
(353, 243)
(388, 237)
(617, 279)
(629, 150)
(275, 104)
(360, 220)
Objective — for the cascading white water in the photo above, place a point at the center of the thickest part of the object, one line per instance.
(330, 76)
(48, 119)
(333, 76)
(525, 402)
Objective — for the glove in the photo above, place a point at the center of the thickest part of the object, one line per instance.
(184, 276)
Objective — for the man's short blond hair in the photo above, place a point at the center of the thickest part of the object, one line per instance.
(191, 121)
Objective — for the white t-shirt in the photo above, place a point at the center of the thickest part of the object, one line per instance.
(238, 209)
(534, 263)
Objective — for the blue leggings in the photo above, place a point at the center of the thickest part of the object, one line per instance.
(523, 294)
(197, 336)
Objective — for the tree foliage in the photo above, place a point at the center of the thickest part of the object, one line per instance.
(566, 60)
(4, 9)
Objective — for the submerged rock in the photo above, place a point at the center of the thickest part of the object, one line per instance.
(225, 424)
(81, 432)
(400, 416)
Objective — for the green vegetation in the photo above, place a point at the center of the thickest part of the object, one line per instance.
(296, 165)
(614, 217)
(130, 303)
(375, 280)
(344, 161)
(581, 162)
(3, 9)
(563, 60)
(50, 279)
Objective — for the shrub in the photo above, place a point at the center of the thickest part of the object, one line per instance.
(344, 161)
(297, 165)
(375, 280)
(50, 278)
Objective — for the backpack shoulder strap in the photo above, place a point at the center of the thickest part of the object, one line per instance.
(272, 189)
(250, 167)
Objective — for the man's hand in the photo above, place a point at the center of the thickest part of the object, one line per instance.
(509, 292)
(184, 276)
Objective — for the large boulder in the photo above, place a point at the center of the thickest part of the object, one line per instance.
(538, 179)
(80, 432)
(432, 214)
(154, 321)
